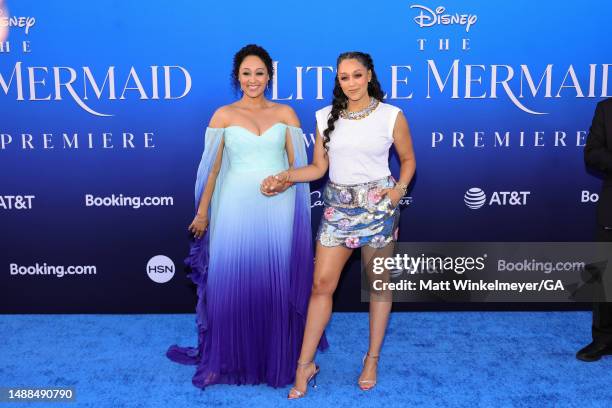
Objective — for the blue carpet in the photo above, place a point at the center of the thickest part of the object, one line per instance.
(475, 359)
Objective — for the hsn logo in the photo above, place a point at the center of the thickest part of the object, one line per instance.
(476, 198)
(160, 269)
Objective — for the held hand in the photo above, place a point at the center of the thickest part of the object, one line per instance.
(269, 186)
(282, 177)
(198, 225)
(273, 185)
(394, 195)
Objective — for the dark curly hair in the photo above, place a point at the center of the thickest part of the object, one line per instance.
(340, 100)
(244, 52)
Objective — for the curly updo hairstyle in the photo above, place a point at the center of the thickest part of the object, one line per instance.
(244, 52)
(340, 100)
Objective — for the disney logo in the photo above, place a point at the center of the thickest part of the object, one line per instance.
(21, 22)
(429, 18)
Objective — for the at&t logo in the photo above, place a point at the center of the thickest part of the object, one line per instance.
(476, 198)
(16, 202)
(160, 269)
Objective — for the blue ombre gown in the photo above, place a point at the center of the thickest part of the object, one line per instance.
(253, 267)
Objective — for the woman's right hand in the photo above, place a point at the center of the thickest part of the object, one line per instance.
(198, 225)
(273, 185)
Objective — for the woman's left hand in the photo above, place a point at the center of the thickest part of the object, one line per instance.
(394, 195)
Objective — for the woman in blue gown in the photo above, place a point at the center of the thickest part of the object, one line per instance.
(251, 258)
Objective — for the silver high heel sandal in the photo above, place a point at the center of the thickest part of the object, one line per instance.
(294, 393)
(366, 385)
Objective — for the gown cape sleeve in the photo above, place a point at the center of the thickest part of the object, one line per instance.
(301, 262)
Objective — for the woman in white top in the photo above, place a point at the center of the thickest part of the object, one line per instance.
(354, 136)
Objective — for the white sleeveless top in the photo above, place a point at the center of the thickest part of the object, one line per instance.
(359, 149)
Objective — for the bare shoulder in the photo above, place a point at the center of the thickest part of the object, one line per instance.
(222, 116)
(287, 115)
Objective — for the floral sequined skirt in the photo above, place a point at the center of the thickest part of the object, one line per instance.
(357, 215)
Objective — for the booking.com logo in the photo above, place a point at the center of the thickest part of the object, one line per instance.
(476, 198)
(588, 197)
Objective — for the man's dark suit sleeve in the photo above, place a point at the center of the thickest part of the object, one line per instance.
(597, 154)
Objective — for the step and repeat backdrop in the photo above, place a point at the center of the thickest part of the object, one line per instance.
(103, 108)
